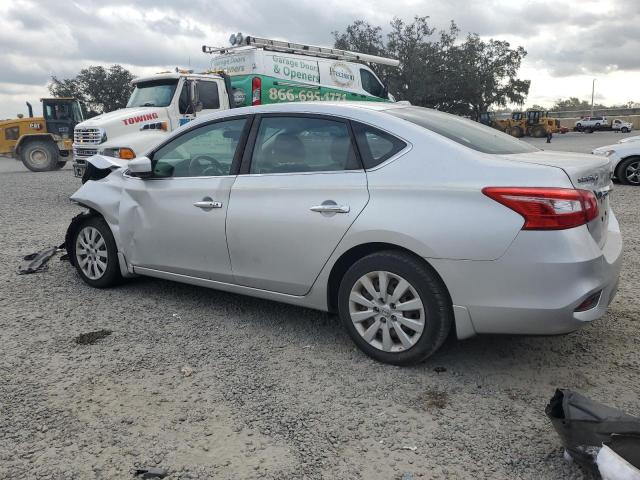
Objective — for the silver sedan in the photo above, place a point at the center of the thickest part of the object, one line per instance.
(410, 223)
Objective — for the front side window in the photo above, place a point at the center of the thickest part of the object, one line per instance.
(208, 95)
(463, 131)
(375, 145)
(155, 93)
(371, 84)
(303, 144)
(202, 152)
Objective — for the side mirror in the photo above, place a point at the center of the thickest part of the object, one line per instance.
(141, 167)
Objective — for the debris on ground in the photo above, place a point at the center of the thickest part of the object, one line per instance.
(186, 371)
(91, 337)
(38, 261)
(586, 427)
(437, 399)
(151, 472)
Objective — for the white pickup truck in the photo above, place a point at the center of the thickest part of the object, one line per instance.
(589, 124)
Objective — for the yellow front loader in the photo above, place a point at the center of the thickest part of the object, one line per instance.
(42, 143)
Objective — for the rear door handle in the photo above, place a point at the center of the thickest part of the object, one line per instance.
(331, 208)
(208, 204)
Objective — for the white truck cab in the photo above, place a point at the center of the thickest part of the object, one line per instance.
(159, 104)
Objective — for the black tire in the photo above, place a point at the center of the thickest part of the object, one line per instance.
(625, 169)
(578, 126)
(624, 130)
(60, 165)
(111, 275)
(516, 131)
(597, 125)
(538, 132)
(39, 155)
(433, 294)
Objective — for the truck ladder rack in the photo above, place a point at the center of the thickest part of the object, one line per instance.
(302, 49)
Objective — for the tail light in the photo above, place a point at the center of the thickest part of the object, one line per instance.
(256, 91)
(547, 208)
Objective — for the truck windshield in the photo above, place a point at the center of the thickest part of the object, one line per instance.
(463, 131)
(155, 93)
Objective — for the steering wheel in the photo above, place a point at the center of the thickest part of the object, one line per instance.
(210, 167)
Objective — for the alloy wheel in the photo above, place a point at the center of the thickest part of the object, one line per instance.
(387, 311)
(91, 253)
(632, 173)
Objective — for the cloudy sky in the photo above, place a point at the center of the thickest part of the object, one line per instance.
(569, 42)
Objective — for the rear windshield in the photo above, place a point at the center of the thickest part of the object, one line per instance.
(463, 131)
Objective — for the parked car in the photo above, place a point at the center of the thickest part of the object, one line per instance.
(625, 161)
(409, 223)
(629, 139)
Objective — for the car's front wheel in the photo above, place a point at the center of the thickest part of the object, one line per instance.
(396, 309)
(624, 130)
(95, 255)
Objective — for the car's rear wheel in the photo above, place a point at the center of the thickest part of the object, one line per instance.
(95, 255)
(395, 308)
(624, 130)
(628, 172)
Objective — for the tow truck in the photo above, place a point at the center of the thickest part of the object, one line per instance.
(250, 72)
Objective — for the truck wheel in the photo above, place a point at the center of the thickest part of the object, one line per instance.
(624, 130)
(39, 156)
(539, 132)
(597, 125)
(516, 132)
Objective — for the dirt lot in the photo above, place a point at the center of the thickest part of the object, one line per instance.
(272, 391)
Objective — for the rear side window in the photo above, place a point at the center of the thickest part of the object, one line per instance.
(208, 95)
(375, 145)
(466, 132)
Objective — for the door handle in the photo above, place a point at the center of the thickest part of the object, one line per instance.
(208, 204)
(331, 208)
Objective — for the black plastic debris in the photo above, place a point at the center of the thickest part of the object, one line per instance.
(151, 472)
(92, 337)
(37, 262)
(585, 425)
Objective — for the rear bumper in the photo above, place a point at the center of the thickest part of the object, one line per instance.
(536, 286)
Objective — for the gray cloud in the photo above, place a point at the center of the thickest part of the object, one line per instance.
(58, 37)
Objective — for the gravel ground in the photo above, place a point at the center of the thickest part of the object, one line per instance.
(216, 385)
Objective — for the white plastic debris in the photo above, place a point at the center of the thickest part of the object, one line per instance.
(613, 467)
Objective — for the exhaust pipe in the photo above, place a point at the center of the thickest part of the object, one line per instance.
(30, 110)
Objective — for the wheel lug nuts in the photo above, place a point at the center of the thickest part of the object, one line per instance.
(376, 309)
(393, 317)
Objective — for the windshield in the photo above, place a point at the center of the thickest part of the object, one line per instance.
(155, 93)
(463, 131)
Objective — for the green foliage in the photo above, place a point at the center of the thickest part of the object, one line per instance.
(99, 89)
(438, 71)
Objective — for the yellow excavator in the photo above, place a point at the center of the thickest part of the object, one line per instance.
(42, 143)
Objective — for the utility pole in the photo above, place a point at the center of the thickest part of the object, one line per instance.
(593, 89)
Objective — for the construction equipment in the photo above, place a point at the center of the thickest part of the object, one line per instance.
(42, 143)
(533, 123)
